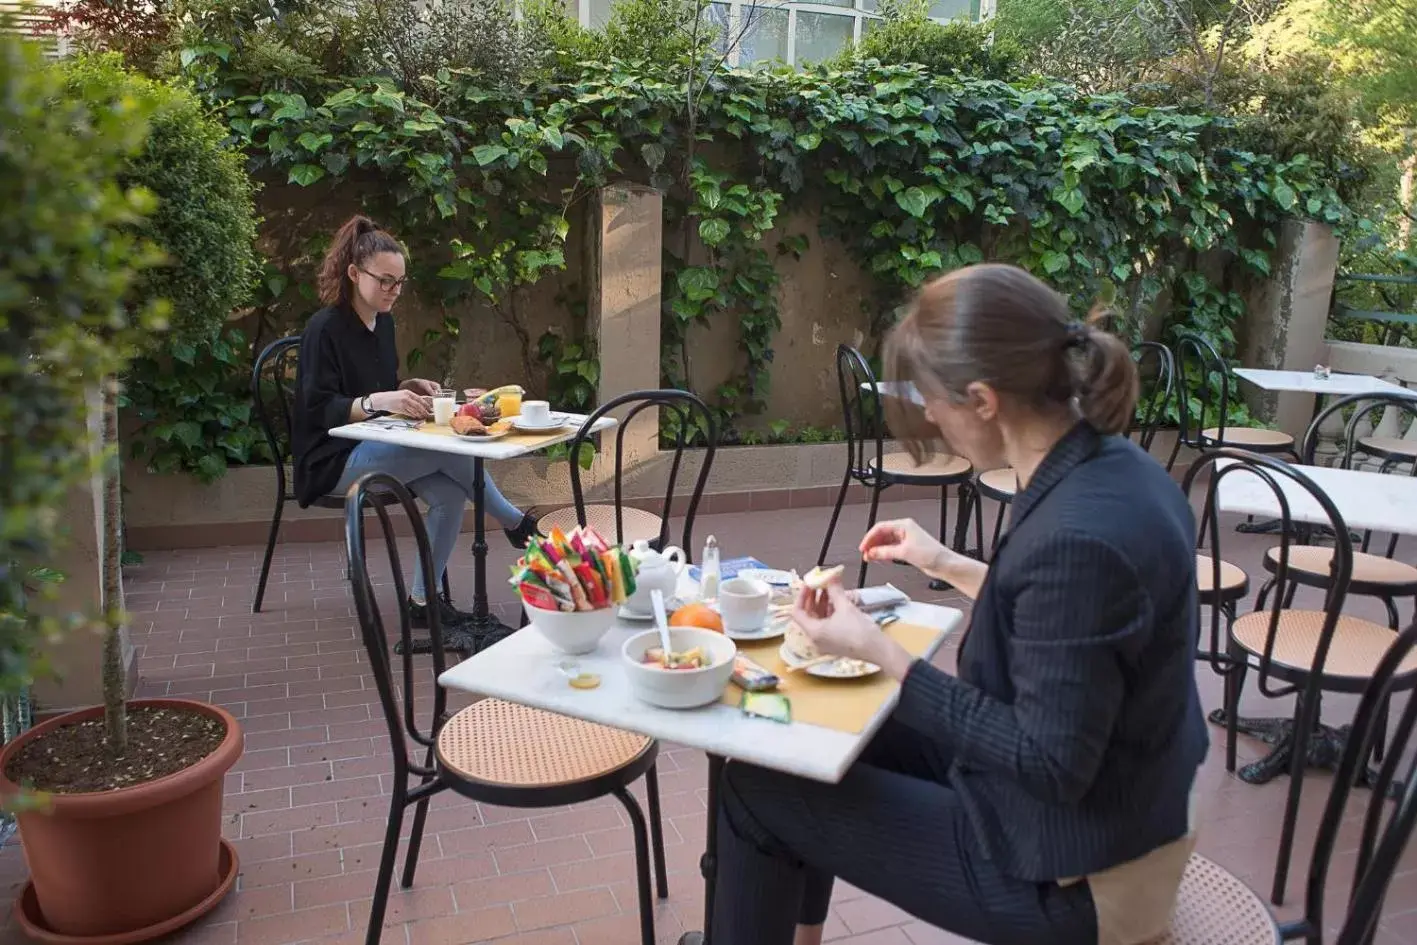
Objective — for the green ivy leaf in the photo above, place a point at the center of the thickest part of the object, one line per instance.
(810, 141)
(1055, 262)
(1284, 196)
(305, 174)
(698, 283)
(913, 201)
(713, 231)
(485, 154)
(312, 142)
(653, 155)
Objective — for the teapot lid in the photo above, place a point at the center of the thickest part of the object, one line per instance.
(641, 549)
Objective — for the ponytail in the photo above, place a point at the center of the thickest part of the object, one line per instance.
(355, 242)
(1104, 376)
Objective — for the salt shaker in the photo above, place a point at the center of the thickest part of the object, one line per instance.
(708, 583)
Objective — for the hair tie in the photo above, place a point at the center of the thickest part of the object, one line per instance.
(1078, 334)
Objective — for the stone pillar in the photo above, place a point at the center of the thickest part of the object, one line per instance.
(75, 659)
(1287, 317)
(624, 303)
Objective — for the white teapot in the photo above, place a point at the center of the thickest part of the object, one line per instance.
(655, 571)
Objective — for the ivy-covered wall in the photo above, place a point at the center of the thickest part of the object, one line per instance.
(773, 179)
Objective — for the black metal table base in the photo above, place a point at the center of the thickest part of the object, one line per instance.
(1325, 749)
(482, 628)
(708, 863)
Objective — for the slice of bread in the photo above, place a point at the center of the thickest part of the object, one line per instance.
(818, 578)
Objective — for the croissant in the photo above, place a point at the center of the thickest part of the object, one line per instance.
(469, 426)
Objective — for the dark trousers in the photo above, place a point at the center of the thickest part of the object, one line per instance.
(894, 828)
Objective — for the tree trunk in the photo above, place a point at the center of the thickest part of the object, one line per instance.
(1404, 195)
(115, 680)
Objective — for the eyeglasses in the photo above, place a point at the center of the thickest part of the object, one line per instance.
(387, 283)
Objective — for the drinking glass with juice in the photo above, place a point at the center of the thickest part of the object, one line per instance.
(509, 405)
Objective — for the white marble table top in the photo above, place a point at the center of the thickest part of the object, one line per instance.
(1366, 500)
(522, 669)
(899, 389)
(508, 448)
(1305, 382)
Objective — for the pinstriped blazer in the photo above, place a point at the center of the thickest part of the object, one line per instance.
(1074, 722)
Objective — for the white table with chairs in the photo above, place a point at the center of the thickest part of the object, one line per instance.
(523, 670)
(408, 433)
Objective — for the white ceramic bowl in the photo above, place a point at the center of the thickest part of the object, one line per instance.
(680, 688)
(576, 633)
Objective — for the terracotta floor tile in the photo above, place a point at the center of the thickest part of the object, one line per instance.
(307, 803)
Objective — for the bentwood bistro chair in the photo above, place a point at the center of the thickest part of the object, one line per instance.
(273, 402)
(681, 415)
(1300, 653)
(1215, 908)
(1197, 363)
(493, 751)
(868, 464)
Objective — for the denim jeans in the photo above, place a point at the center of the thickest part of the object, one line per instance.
(444, 482)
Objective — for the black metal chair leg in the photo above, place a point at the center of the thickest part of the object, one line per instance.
(385, 878)
(836, 514)
(637, 825)
(415, 840)
(1234, 687)
(945, 516)
(870, 524)
(656, 831)
(979, 522)
(270, 553)
(1305, 720)
(998, 527)
(447, 590)
(965, 500)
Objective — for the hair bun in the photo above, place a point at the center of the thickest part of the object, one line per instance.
(363, 224)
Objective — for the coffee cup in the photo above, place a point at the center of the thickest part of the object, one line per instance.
(443, 410)
(536, 413)
(743, 603)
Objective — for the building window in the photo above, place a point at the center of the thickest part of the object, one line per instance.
(796, 32)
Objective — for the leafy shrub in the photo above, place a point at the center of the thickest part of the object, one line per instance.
(70, 259)
(204, 220)
(193, 409)
(907, 35)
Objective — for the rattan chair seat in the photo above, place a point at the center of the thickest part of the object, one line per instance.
(1367, 569)
(1388, 446)
(902, 466)
(639, 524)
(497, 742)
(1233, 579)
(1357, 645)
(1003, 481)
(1215, 908)
(1251, 437)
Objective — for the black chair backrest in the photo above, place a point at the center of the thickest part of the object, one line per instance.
(861, 410)
(1274, 473)
(1197, 362)
(686, 416)
(1157, 367)
(1362, 406)
(273, 397)
(401, 714)
(1381, 845)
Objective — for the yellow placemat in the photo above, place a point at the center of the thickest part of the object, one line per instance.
(524, 440)
(842, 704)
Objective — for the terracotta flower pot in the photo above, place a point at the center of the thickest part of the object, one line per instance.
(117, 862)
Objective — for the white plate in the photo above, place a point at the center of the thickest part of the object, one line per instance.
(840, 668)
(770, 576)
(669, 607)
(556, 422)
(773, 629)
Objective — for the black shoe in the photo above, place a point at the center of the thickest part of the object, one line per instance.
(525, 531)
(449, 617)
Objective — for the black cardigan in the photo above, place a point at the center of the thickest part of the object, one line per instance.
(340, 361)
(1075, 723)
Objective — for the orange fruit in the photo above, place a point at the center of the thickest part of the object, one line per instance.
(701, 616)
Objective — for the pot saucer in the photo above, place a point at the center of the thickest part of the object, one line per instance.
(31, 922)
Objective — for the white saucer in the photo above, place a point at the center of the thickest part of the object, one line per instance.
(769, 631)
(841, 668)
(669, 607)
(547, 427)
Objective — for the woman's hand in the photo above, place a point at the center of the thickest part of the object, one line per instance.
(907, 542)
(420, 386)
(404, 402)
(837, 626)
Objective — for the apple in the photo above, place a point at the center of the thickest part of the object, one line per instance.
(470, 410)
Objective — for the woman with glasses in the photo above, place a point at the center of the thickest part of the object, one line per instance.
(349, 371)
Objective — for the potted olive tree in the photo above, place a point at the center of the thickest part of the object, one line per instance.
(120, 196)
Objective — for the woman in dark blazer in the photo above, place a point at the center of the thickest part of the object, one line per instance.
(1041, 795)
